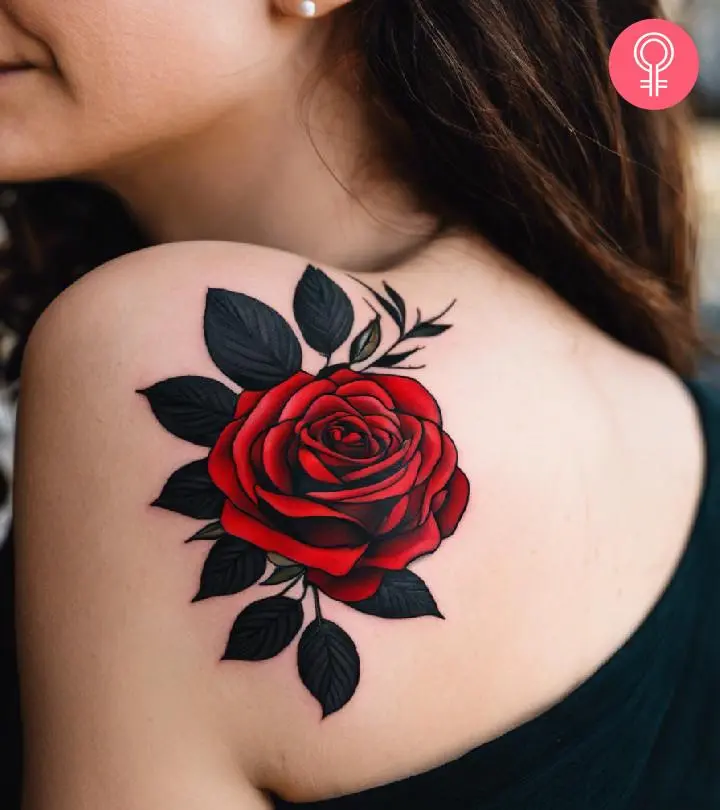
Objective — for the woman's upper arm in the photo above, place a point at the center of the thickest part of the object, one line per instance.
(116, 670)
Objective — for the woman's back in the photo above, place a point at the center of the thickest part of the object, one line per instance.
(584, 465)
(641, 732)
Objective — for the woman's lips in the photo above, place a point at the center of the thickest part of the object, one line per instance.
(15, 67)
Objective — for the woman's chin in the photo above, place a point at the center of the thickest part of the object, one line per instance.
(27, 158)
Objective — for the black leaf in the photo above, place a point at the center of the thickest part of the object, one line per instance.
(196, 409)
(390, 360)
(402, 595)
(428, 330)
(281, 575)
(366, 343)
(264, 629)
(328, 664)
(323, 311)
(231, 567)
(249, 341)
(399, 302)
(388, 306)
(191, 492)
(213, 531)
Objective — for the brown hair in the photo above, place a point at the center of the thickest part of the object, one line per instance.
(502, 117)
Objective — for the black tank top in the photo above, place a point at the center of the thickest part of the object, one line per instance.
(642, 733)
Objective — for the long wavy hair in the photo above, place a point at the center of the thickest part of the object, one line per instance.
(501, 116)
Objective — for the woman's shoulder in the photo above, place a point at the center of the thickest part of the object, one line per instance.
(220, 394)
(149, 282)
(418, 521)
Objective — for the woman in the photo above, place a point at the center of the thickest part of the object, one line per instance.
(404, 367)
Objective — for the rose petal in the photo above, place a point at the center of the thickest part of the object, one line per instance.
(368, 515)
(394, 519)
(440, 475)
(412, 517)
(450, 513)
(247, 401)
(276, 453)
(398, 552)
(315, 468)
(385, 442)
(330, 533)
(331, 458)
(256, 461)
(393, 486)
(345, 376)
(412, 431)
(398, 484)
(303, 399)
(325, 406)
(431, 448)
(317, 429)
(309, 515)
(264, 416)
(377, 422)
(300, 508)
(365, 387)
(409, 396)
(221, 467)
(336, 561)
(359, 584)
(437, 501)
(242, 459)
(372, 406)
(379, 467)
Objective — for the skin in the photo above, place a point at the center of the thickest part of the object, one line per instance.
(162, 112)
(582, 498)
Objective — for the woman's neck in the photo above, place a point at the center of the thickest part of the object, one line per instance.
(266, 177)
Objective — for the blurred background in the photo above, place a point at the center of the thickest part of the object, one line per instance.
(702, 18)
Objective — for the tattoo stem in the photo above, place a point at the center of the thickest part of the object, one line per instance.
(316, 597)
(292, 584)
(404, 335)
(442, 314)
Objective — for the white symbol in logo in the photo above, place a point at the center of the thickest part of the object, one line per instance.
(654, 84)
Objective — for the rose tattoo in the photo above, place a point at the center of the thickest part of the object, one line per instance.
(339, 480)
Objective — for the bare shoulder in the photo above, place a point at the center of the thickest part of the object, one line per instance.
(116, 668)
(275, 521)
(150, 284)
(236, 470)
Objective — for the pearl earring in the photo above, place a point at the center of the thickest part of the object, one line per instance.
(307, 8)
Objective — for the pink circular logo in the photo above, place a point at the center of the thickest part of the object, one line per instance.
(654, 64)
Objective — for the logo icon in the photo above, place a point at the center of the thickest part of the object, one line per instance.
(654, 64)
(654, 84)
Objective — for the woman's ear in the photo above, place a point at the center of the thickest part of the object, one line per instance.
(309, 9)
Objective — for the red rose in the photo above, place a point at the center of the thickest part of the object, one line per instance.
(351, 476)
